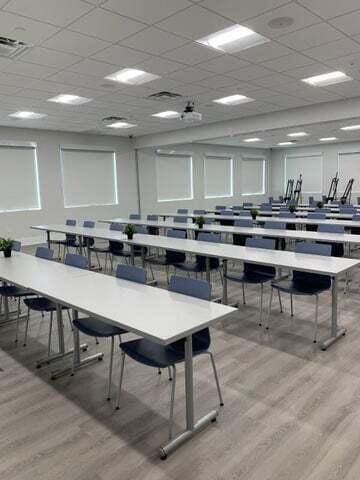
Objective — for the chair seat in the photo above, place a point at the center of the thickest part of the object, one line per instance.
(97, 328)
(13, 291)
(190, 267)
(297, 288)
(161, 260)
(41, 304)
(151, 354)
(254, 277)
(100, 249)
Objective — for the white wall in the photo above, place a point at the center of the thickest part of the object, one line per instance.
(17, 224)
(148, 188)
(330, 166)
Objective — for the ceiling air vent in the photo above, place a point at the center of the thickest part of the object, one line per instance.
(166, 96)
(113, 118)
(10, 48)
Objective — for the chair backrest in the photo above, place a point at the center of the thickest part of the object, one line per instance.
(220, 207)
(180, 219)
(254, 269)
(131, 273)
(331, 228)
(88, 224)
(247, 204)
(199, 212)
(200, 259)
(229, 213)
(191, 287)
(312, 279)
(76, 260)
(316, 216)
(182, 210)
(209, 237)
(323, 210)
(271, 199)
(244, 213)
(348, 210)
(141, 229)
(311, 200)
(287, 214)
(118, 227)
(281, 198)
(266, 207)
(356, 217)
(244, 222)
(358, 200)
(16, 246)
(45, 253)
(237, 207)
(176, 234)
(152, 218)
(134, 216)
(70, 222)
(275, 225)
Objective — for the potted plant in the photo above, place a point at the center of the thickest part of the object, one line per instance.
(6, 245)
(320, 204)
(200, 221)
(292, 208)
(254, 213)
(129, 230)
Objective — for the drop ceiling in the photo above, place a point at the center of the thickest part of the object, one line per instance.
(77, 43)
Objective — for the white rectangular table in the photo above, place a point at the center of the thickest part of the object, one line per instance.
(331, 266)
(156, 314)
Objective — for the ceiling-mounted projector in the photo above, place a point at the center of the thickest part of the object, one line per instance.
(189, 115)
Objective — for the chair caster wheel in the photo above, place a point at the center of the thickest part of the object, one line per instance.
(108, 399)
(117, 408)
(72, 374)
(159, 372)
(24, 345)
(213, 420)
(100, 359)
(170, 379)
(314, 341)
(163, 455)
(38, 366)
(267, 328)
(221, 404)
(260, 324)
(52, 378)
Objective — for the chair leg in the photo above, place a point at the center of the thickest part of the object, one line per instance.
(50, 333)
(316, 317)
(172, 401)
(120, 380)
(269, 312)
(243, 292)
(17, 320)
(70, 320)
(111, 367)
(291, 305)
(26, 326)
(280, 302)
(169, 372)
(216, 379)
(261, 302)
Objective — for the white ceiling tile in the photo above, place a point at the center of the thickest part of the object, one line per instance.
(25, 29)
(145, 10)
(308, 71)
(223, 64)
(240, 10)
(121, 56)
(159, 66)
(191, 54)
(24, 68)
(73, 42)
(250, 73)
(264, 52)
(218, 81)
(76, 79)
(155, 41)
(271, 80)
(310, 37)
(194, 23)
(282, 64)
(301, 16)
(93, 67)
(106, 25)
(8, 89)
(51, 58)
(57, 12)
(330, 8)
(189, 75)
(14, 80)
(349, 24)
(333, 50)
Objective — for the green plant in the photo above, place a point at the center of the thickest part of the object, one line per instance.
(200, 221)
(292, 208)
(254, 213)
(129, 230)
(320, 204)
(6, 245)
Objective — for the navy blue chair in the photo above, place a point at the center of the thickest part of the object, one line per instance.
(255, 274)
(170, 258)
(116, 248)
(266, 207)
(199, 265)
(347, 210)
(227, 213)
(315, 216)
(239, 238)
(236, 208)
(199, 211)
(304, 283)
(183, 211)
(180, 219)
(355, 230)
(96, 328)
(281, 199)
(358, 200)
(244, 213)
(220, 207)
(158, 356)
(271, 199)
(286, 214)
(134, 216)
(337, 249)
(279, 242)
(247, 204)
(153, 230)
(69, 241)
(88, 242)
(311, 201)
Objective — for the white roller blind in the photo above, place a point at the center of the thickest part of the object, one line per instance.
(19, 181)
(218, 176)
(349, 167)
(89, 177)
(310, 166)
(253, 176)
(174, 177)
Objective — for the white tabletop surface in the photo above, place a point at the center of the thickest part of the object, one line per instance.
(310, 263)
(308, 221)
(151, 312)
(270, 213)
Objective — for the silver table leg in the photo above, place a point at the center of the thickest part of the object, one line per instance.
(336, 332)
(192, 427)
(48, 238)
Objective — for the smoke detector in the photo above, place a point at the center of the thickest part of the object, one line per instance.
(10, 48)
(189, 114)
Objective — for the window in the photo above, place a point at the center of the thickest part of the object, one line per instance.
(253, 176)
(307, 165)
(19, 179)
(218, 176)
(88, 177)
(349, 167)
(174, 177)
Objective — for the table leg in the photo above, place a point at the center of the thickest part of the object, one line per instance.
(336, 332)
(81, 239)
(192, 427)
(225, 290)
(207, 264)
(48, 238)
(132, 258)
